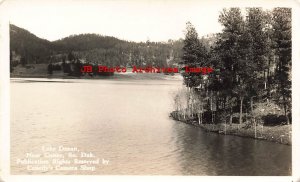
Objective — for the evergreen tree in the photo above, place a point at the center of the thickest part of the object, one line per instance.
(283, 50)
(194, 55)
(231, 54)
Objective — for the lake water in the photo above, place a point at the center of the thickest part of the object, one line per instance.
(127, 122)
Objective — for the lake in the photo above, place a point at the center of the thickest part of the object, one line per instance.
(127, 123)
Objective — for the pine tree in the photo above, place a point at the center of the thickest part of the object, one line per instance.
(231, 54)
(283, 44)
(194, 55)
(255, 54)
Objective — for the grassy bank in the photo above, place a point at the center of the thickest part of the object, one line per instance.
(279, 134)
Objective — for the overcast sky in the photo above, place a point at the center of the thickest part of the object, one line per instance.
(157, 20)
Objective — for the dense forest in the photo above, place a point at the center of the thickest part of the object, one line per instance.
(92, 48)
(251, 83)
(95, 49)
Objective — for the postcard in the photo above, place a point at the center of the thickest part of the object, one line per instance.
(149, 90)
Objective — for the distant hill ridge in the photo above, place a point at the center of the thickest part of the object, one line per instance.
(95, 48)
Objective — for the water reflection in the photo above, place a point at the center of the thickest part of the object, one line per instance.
(127, 122)
(212, 154)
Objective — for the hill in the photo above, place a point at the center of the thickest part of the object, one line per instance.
(94, 48)
(27, 45)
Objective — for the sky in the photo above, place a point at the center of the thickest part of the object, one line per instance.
(127, 20)
(132, 20)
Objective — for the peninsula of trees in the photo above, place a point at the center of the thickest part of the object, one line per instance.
(251, 84)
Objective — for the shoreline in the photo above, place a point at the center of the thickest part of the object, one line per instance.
(279, 134)
(133, 76)
(40, 71)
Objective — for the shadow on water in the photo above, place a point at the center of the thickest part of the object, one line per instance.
(203, 153)
(139, 140)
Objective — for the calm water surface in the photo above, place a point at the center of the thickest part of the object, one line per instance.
(127, 122)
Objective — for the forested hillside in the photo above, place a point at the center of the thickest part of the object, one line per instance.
(29, 46)
(252, 80)
(93, 48)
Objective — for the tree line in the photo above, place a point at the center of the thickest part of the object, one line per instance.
(252, 62)
(93, 48)
(72, 66)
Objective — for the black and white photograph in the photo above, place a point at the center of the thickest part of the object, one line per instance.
(148, 88)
